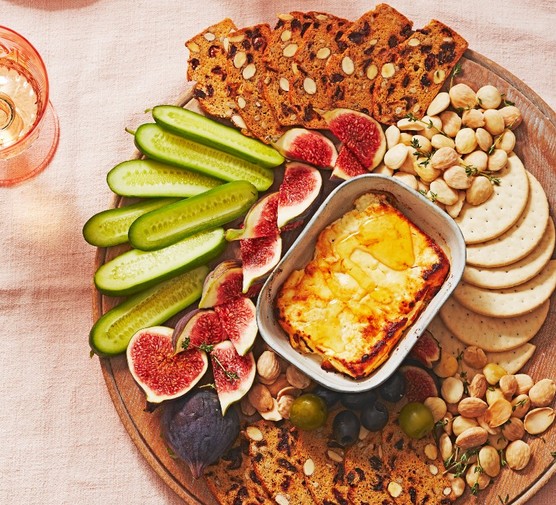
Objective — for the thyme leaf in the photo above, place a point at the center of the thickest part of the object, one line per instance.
(185, 343)
(455, 72)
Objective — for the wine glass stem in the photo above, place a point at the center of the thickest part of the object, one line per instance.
(7, 111)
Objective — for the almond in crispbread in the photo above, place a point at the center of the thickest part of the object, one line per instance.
(367, 44)
(246, 77)
(413, 77)
(207, 67)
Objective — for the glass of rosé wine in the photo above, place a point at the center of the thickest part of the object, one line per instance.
(29, 129)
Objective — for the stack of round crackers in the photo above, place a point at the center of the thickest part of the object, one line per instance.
(504, 296)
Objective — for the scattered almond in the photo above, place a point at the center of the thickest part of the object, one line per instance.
(538, 420)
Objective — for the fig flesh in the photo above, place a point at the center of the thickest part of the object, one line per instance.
(259, 256)
(360, 133)
(347, 165)
(260, 220)
(307, 146)
(159, 371)
(419, 383)
(238, 319)
(197, 431)
(426, 350)
(299, 189)
(233, 374)
(198, 328)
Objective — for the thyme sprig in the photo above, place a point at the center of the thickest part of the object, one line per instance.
(459, 462)
(472, 171)
(457, 70)
(427, 124)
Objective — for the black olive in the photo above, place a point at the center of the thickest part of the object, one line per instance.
(393, 389)
(345, 428)
(374, 417)
(330, 397)
(358, 401)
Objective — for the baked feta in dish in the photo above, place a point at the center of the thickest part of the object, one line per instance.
(372, 273)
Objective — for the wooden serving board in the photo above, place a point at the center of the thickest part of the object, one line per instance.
(537, 148)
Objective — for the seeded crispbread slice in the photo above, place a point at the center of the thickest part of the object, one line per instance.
(502, 210)
(207, 67)
(309, 90)
(325, 476)
(366, 471)
(282, 71)
(512, 360)
(246, 75)
(492, 334)
(367, 45)
(277, 463)
(233, 480)
(517, 273)
(521, 238)
(509, 302)
(415, 75)
(422, 479)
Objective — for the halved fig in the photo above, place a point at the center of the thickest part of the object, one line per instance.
(259, 256)
(233, 374)
(347, 165)
(360, 133)
(200, 327)
(426, 350)
(222, 284)
(299, 189)
(308, 146)
(260, 220)
(238, 319)
(419, 383)
(159, 371)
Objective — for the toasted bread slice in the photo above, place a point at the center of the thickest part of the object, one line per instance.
(417, 72)
(207, 67)
(246, 71)
(233, 480)
(368, 44)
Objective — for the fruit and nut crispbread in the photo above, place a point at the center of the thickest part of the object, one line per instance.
(246, 71)
(277, 463)
(233, 480)
(309, 90)
(367, 45)
(420, 65)
(207, 67)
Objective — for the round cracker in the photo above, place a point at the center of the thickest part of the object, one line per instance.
(521, 238)
(517, 273)
(491, 333)
(512, 361)
(509, 302)
(492, 218)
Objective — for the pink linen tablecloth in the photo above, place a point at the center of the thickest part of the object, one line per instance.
(61, 441)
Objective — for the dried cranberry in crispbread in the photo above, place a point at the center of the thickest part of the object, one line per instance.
(368, 44)
(207, 67)
(422, 63)
(246, 74)
(282, 69)
(310, 88)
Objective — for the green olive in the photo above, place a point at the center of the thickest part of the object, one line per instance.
(308, 412)
(416, 420)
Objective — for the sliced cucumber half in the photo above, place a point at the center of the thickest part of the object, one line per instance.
(150, 178)
(213, 208)
(166, 147)
(209, 132)
(110, 227)
(112, 332)
(136, 270)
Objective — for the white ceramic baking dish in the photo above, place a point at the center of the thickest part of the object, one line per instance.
(425, 214)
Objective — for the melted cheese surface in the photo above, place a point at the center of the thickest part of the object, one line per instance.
(372, 273)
